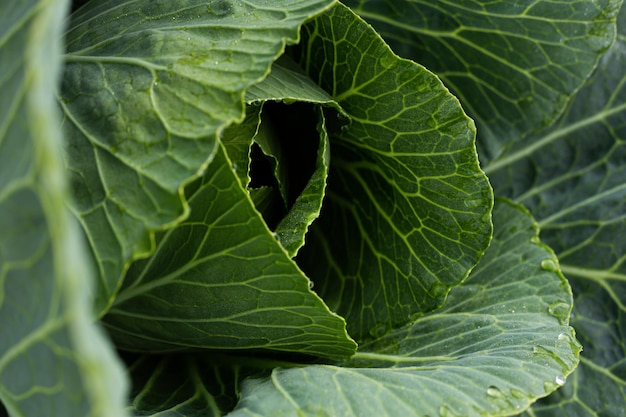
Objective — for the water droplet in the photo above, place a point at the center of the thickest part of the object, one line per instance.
(477, 202)
(515, 393)
(549, 386)
(438, 290)
(235, 166)
(344, 128)
(444, 411)
(311, 284)
(549, 265)
(560, 380)
(563, 337)
(560, 310)
(494, 392)
(388, 61)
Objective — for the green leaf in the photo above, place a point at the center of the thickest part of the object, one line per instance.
(147, 88)
(190, 385)
(500, 341)
(221, 280)
(407, 210)
(298, 132)
(572, 178)
(53, 360)
(513, 64)
(306, 207)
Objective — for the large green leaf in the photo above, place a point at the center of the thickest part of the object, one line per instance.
(53, 360)
(500, 341)
(148, 86)
(222, 280)
(513, 64)
(573, 179)
(407, 210)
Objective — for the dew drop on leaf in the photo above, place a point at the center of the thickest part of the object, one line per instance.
(388, 61)
(474, 203)
(563, 337)
(515, 393)
(560, 380)
(494, 392)
(444, 411)
(549, 265)
(560, 310)
(438, 290)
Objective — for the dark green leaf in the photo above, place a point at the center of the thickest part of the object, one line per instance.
(513, 64)
(572, 177)
(148, 86)
(221, 280)
(407, 211)
(190, 385)
(500, 341)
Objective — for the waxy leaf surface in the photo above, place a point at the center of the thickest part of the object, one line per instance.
(147, 88)
(221, 280)
(54, 361)
(500, 341)
(407, 208)
(513, 64)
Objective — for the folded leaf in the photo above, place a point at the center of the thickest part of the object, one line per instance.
(147, 88)
(407, 210)
(500, 341)
(53, 360)
(221, 280)
(513, 64)
(572, 178)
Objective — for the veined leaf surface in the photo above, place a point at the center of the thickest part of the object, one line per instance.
(54, 361)
(147, 88)
(513, 64)
(500, 341)
(221, 280)
(572, 177)
(407, 209)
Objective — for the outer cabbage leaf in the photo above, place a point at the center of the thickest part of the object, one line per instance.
(513, 64)
(407, 210)
(148, 86)
(500, 341)
(53, 360)
(572, 177)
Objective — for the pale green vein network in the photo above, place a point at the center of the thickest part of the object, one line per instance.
(553, 136)
(187, 68)
(402, 176)
(476, 356)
